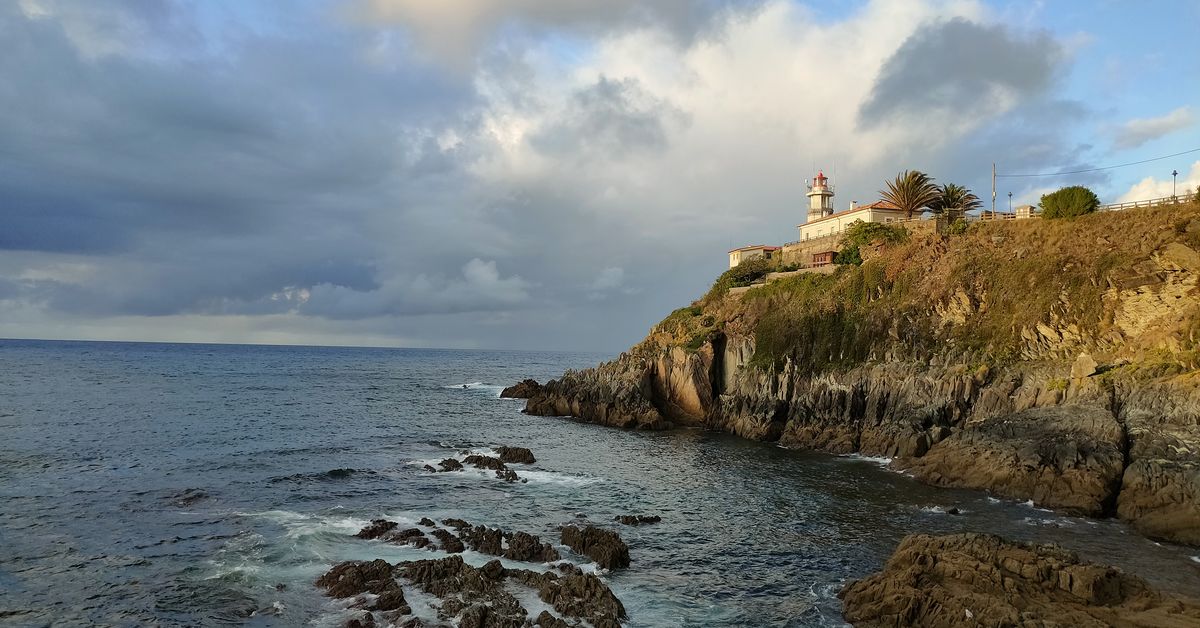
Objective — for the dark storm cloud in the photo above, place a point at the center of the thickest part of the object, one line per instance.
(958, 67)
(216, 187)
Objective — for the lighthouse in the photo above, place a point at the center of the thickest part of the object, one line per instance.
(820, 198)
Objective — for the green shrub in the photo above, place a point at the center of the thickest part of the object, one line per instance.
(958, 227)
(861, 233)
(1069, 202)
(743, 274)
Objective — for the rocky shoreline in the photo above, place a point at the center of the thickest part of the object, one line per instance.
(983, 580)
(1084, 446)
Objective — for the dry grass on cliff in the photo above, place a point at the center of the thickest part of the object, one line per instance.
(976, 291)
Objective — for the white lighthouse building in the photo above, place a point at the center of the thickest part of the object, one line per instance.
(820, 198)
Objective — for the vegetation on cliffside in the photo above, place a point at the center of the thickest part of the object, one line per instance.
(999, 292)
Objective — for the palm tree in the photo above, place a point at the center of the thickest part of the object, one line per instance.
(912, 190)
(954, 201)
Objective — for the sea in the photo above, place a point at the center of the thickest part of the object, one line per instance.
(195, 485)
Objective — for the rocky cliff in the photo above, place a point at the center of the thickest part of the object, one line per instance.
(1046, 360)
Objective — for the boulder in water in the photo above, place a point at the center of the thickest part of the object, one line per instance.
(450, 464)
(515, 455)
(376, 529)
(637, 520)
(603, 546)
(522, 390)
(485, 462)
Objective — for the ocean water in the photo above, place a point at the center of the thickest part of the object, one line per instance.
(189, 485)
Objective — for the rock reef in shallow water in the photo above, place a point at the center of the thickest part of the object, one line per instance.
(983, 580)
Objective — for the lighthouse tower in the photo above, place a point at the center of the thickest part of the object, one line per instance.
(820, 198)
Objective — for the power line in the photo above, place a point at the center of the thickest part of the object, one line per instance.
(1132, 163)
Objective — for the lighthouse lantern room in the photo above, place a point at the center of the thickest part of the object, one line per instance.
(820, 198)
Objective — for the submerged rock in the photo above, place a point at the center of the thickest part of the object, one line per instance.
(605, 547)
(376, 529)
(515, 455)
(637, 520)
(507, 475)
(450, 464)
(521, 390)
(976, 579)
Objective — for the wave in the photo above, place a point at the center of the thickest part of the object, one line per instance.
(879, 460)
(492, 389)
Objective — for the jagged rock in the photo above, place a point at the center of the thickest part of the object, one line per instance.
(365, 620)
(521, 390)
(637, 520)
(450, 464)
(527, 547)
(485, 462)
(427, 522)
(1069, 458)
(515, 455)
(449, 543)
(376, 529)
(430, 469)
(484, 539)
(457, 524)
(354, 578)
(507, 475)
(1085, 366)
(603, 546)
(477, 596)
(972, 580)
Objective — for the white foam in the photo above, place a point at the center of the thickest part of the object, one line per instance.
(879, 460)
(941, 510)
(561, 479)
(1196, 559)
(492, 389)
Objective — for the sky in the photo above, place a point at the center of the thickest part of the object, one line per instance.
(522, 174)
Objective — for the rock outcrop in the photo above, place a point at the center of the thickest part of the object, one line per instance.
(1085, 399)
(1065, 457)
(603, 546)
(515, 455)
(983, 580)
(521, 390)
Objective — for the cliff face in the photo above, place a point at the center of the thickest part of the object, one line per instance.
(1076, 388)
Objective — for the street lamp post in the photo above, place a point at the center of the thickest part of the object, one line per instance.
(1174, 173)
(1010, 202)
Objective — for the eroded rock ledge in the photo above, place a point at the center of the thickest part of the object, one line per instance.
(1085, 444)
(983, 580)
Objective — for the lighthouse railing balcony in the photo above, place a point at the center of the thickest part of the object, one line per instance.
(828, 187)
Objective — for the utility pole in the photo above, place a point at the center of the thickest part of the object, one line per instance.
(993, 189)
(1010, 202)
(1174, 173)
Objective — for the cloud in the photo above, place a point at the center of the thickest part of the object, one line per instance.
(268, 185)
(454, 31)
(957, 67)
(1136, 132)
(1151, 188)
(481, 288)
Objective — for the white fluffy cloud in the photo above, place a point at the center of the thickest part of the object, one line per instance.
(1136, 132)
(1152, 188)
